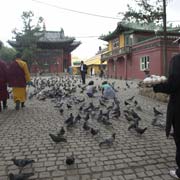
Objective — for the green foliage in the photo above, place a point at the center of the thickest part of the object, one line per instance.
(146, 13)
(7, 54)
(28, 37)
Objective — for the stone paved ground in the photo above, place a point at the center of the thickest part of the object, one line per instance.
(24, 134)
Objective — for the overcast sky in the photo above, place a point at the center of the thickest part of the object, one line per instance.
(75, 24)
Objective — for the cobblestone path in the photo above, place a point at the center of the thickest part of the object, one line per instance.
(24, 134)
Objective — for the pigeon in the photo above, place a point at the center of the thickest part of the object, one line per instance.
(77, 118)
(108, 141)
(154, 121)
(140, 131)
(135, 103)
(61, 111)
(116, 114)
(81, 107)
(101, 103)
(135, 115)
(127, 85)
(57, 139)
(106, 122)
(87, 117)
(131, 98)
(156, 112)
(157, 124)
(61, 132)
(70, 119)
(70, 160)
(86, 127)
(134, 125)
(22, 162)
(138, 108)
(69, 106)
(94, 131)
(23, 176)
(128, 118)
(126, 103)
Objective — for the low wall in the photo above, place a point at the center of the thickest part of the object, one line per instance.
(150, 93)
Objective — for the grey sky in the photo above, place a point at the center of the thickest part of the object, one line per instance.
(74, 24)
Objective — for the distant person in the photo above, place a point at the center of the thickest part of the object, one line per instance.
(91, 70)
(90, 89)
(101, 73)
(3, 85)
(19, 77)
(107, 91)
(172, 87)
(83, 70)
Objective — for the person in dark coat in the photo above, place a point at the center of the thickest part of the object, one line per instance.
(3, 85)
(172, 87)
(83, 70)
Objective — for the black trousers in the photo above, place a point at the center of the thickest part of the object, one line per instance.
(83, 76)
(177, 143)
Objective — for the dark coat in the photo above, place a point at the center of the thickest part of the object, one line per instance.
(3, 81)
(84, 68)
(16, 75)
(172, 87)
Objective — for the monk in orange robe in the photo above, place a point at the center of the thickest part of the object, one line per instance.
(19, 77)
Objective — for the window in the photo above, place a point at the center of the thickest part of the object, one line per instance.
(128, 40)
(144, 63)
(115, 43)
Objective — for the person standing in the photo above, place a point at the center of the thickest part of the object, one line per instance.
(172, 87)
(18, 78)
(91, 70)
(3, 85)
(83, 70)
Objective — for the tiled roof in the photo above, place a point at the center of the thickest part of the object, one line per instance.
(54, 36)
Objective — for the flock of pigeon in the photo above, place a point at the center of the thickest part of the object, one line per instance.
(92, 115)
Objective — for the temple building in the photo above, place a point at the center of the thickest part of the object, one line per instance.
(53, 54)
(134, 49)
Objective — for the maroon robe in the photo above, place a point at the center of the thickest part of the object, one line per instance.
(16, 75)
(3, 81)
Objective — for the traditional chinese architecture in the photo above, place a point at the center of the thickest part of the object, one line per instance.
(134, 49)
(53, 53)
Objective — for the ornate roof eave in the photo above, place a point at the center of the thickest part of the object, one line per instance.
(13, 43)
(120, 28)
(128, 28)
(73, 46)
(69, 40)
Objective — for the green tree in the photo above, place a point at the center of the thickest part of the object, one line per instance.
(146, 12)
(7, 54)
(28, 37)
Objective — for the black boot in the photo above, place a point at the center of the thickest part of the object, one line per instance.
(17, 105)
(5, 104)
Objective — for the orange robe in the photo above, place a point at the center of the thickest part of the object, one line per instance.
(19, 93)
